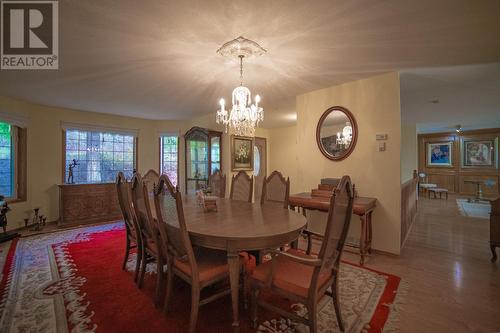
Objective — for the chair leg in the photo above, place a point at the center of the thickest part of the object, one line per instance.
(168, 293)
(138, 264)
(127, 250)
(254, 294)
(159, 281)
(336, 302)
(142, 272)
(195, 304)
(312, 310)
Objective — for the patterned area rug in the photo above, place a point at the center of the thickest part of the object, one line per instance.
(474, 209)
(71, 281)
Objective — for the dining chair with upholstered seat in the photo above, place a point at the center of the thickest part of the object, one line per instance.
(217, 184)
(133, 239)
(150, 237)
(200, 267)
(423, 182)
(275, 189)
(305, 278)
(241, 187)
(150, 178)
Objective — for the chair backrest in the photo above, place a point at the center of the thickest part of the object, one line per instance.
(241, 187)
(217, 183)
(123, 191)
(171, 222)
(276, 189)
(150, 178)
(142, 209)
(337, 227)
(422, 177)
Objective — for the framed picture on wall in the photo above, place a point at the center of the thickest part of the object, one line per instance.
(440, 154)
(241, 153)
(480, 153)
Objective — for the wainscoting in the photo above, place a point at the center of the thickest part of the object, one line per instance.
(408, 206)
(453, 177)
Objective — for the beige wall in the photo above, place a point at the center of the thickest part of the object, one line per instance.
(375, 104)
(44, 150)
(285, 157)
(409, 151)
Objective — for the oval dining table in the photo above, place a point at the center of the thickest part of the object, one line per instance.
(238, 226)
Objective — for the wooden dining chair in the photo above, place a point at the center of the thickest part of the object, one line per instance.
(150, 237)
(200, 267)
(151, 178)
(305, 278)
(275, 189)
(241, 187)
(217, 183)
(133, 239)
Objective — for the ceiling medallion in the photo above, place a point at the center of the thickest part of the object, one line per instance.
(243, 116)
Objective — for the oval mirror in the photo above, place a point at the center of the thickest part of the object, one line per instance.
(336, 133)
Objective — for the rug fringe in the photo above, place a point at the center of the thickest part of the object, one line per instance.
(391, 325)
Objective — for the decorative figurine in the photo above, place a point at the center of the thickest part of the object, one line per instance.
(37, 219)
(71, 166)
(4, 209)
(3, 214)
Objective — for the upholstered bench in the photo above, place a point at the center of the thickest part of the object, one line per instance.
(438, 190)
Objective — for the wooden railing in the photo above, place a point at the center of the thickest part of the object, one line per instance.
(409, 197)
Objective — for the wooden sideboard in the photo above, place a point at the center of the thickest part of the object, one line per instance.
(87, 203)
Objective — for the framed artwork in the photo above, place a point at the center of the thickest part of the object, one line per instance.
(241, 153)
(440, 154)
(479, 153)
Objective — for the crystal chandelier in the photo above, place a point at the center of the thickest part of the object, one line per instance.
(244, 116)
(345, 137)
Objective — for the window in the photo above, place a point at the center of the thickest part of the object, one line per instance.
(256, 161)
(12, 161)
(6, 161)
(169, 146)
(97, 157)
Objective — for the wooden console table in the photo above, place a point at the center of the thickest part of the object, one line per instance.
(362, 206)
(88, 203)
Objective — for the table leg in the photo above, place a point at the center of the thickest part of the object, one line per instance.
(370, 234)
(362, 241)
(234, 279)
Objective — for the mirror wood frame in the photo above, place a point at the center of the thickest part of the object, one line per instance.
(354, 126)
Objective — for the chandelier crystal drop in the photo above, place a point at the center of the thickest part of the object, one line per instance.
(243, 117)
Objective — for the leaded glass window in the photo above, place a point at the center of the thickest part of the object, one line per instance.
(170, 157)
(6, 161)
(99, 156)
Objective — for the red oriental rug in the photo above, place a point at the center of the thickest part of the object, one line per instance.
(71, 281)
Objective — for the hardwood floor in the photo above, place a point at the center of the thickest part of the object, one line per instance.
(446, 261)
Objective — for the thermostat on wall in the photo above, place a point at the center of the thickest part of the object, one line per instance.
(381, 136)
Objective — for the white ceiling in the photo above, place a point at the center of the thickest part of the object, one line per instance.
(466, 95)
(157, 60)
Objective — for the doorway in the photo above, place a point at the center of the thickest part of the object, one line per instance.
(259, 166)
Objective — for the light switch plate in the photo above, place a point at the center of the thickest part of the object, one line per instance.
(381, 146)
